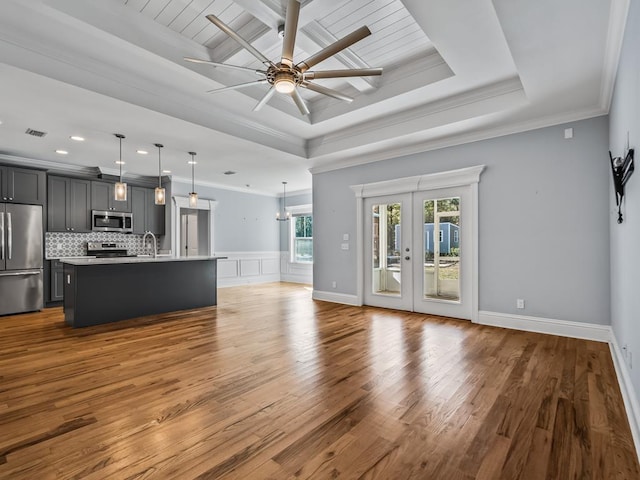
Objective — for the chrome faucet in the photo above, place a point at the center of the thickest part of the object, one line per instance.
(155, 243)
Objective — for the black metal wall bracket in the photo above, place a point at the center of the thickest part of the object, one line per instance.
(622, 170)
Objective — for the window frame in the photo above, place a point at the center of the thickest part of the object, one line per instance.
(298, 211)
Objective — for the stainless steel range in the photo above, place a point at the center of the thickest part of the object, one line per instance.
(107, 250)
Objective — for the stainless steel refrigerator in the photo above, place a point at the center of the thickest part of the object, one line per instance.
(20, 258)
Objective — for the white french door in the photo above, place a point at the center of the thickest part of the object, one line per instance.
(418, 251)
(388, 268)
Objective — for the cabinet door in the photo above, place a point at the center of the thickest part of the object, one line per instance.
(138, 209)
(26, 186)
(101, 194)
(102, 198)
(3, 184)
(57, 204)
(79, 214)
(56, 291)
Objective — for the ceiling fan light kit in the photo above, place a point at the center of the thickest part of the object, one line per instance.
(285, 77)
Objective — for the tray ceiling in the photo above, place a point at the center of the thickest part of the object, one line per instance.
(454, 71)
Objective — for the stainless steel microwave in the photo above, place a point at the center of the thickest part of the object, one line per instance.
(111, 221)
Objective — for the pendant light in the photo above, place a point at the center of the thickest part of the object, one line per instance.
(159, 195)
(120, 190)
(193, 196)
(285, 215)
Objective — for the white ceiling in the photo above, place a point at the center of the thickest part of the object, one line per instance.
(454, 71)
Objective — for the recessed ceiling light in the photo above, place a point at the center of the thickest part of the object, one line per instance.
(166, 171)
(119, 162)
(192, 162)
(76, 138)
(230, 172)
(62, 152)
(142, 152)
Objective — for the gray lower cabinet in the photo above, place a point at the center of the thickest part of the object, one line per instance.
(56, 285)
(69, 205)
(22, 185)
(102, 198)
(147, 216)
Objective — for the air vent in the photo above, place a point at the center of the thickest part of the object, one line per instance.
(230, 172)
(35, 133)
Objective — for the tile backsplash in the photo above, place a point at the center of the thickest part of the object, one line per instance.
(62, 244)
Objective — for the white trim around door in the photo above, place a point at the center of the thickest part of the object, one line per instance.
(469, 176)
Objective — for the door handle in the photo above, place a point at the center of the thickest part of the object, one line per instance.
(9, 236)
(18, 274)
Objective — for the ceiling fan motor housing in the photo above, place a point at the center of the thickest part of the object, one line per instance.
(284, 78)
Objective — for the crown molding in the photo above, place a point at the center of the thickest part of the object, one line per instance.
(470, 104)
(615, 36)
(187, 181)
(461, 139)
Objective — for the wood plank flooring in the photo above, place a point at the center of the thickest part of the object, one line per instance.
(272, 385)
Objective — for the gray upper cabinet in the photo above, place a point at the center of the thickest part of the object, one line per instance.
(69, 205)
(102, 198)
(147, 216)
(22, 185)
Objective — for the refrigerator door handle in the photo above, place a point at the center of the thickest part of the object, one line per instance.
(9, 236)
(18, 274)
(1, 235)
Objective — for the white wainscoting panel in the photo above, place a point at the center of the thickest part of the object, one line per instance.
(249, 267)
(242, 268)
(270, 266)
(295, 272)
(227, 268)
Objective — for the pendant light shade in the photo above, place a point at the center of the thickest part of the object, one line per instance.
(193, 196)
(284, 216)
(159, 193)
(120, 190)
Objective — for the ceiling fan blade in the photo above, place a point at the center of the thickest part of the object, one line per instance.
(290, 30)
(334, 48)
(226, 65)
(354, 72)
(235, 87)
(265, 99)
(226, 29)
(304, 110)
(326, 91)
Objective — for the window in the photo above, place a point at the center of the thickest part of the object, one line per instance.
(302, 239)
(455, 235)
(441, 236)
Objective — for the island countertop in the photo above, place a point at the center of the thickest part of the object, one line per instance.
(120, 260)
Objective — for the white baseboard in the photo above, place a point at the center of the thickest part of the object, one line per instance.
(563, 328)
(291, 278)
(629, 397)
(336, 298)
(237, 281)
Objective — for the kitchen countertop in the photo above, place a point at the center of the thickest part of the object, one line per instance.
(121, 260)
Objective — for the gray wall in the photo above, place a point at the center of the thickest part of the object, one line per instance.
(625, 253)
(543, 233)
(244, 222)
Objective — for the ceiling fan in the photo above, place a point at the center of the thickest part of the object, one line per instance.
(285, 77)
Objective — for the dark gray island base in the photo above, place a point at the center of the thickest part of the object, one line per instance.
(98, 291)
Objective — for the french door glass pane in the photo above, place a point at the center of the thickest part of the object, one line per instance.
(385, 239)
(441, 240)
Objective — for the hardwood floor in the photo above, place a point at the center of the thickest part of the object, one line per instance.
(270, 384)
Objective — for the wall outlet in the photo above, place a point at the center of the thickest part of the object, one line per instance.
(520, 303)
(345, 246)
(334, 284)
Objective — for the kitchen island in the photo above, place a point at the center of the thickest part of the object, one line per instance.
(105, 290)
